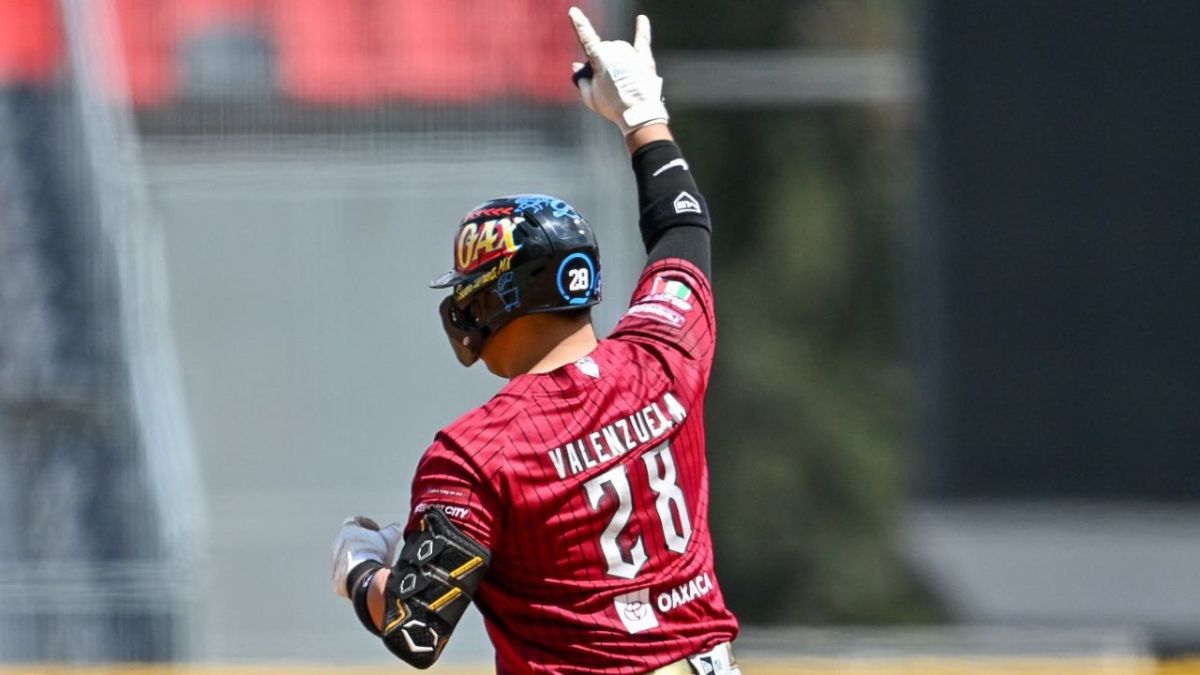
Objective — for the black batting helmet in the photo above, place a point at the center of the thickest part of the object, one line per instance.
(514, 256)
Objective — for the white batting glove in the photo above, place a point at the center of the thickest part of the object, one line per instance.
(359, 540)
(624, 87)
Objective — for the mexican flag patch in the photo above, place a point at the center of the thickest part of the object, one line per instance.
(675, 289)
(672, 292)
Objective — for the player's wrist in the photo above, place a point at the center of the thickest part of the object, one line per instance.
(645, 135)
(376, 592)
(360, 571)
(643, 114)
(360, 582)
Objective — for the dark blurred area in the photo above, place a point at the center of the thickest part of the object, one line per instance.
(1061, 255)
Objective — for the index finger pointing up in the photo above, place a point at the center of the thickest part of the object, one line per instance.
(588, 39)
(641, 36)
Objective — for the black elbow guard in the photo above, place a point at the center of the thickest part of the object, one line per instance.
(429, 589)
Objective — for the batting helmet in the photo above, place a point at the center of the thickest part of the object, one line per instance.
(515, 256)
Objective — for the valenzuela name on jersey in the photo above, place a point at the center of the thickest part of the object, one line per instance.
(613, 440)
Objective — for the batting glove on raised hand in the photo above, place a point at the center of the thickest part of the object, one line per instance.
(360, 540)
(620, 81)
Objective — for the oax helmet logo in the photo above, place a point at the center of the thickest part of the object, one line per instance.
(481, 242)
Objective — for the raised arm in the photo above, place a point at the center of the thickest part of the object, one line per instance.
(620, 83)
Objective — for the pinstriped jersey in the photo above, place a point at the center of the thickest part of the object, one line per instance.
(589, 485)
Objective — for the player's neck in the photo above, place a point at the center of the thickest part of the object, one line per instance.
(572, 347)
(539, 344)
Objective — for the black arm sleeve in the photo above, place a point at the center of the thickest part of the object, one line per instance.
(674, 218)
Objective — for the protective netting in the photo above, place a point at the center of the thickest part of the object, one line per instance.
(98, 508)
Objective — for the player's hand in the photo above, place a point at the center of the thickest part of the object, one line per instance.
(620, 81)
(359, 540)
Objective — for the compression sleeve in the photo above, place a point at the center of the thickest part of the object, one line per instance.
(674, 217)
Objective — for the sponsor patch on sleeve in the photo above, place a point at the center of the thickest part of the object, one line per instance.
(451, 510)
(656, 312)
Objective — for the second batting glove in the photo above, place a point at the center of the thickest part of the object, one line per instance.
(360, 540)
(624, 86)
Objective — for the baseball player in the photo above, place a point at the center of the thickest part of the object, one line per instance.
(572, 508)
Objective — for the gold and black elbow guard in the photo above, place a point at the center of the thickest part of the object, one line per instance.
(429, 589)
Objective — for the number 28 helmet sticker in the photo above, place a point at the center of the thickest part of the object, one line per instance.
(577, 278)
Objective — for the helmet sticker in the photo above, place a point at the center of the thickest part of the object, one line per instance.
(535, 203)
(577, 279)
(463, 291)
(489, 212)
(482, 242)
(508, 292)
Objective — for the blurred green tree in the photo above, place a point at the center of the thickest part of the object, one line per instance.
(810, 403)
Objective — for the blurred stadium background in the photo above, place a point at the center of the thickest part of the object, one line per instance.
(955, 421)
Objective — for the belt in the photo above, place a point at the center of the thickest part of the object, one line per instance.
(684, 666)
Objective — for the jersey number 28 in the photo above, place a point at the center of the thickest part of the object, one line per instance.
(627, 563)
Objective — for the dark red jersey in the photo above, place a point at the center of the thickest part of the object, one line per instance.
(590, 487)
